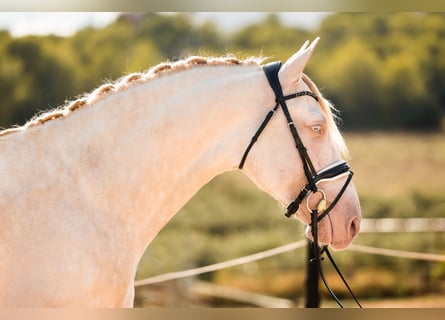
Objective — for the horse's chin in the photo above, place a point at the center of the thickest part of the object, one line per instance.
(340, 245)
(325, 239)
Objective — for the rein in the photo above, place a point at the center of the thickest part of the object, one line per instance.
(313, 177)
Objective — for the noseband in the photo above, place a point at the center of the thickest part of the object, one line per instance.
(313, 177)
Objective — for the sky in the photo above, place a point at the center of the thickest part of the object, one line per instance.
(67, 23)
(58, 23)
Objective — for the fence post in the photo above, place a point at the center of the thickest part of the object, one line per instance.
(312, 294)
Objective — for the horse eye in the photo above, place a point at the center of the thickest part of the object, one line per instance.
(317, 129)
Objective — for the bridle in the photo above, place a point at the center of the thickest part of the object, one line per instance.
(334, 171)
(313, 177)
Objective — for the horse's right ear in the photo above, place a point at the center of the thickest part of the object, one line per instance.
(292, 70)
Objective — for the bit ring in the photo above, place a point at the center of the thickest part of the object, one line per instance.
(321, 206)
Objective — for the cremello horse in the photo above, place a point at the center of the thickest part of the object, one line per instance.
(84, 189)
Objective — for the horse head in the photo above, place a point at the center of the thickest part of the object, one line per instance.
(301, 148)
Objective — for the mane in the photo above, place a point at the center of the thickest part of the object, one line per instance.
(125, 82)
(331, 114)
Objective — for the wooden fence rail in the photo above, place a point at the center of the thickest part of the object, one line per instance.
(385, 225)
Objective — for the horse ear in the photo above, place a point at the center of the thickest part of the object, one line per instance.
(292, 70)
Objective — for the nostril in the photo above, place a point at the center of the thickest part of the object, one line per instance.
(354, 228)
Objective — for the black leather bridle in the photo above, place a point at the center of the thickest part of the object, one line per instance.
(313, 177)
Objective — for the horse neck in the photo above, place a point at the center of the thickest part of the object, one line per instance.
(166, 138)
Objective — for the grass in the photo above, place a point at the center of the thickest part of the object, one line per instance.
(396, 175)
(390, 165)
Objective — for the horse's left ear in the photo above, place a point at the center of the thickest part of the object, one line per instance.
(292, 70)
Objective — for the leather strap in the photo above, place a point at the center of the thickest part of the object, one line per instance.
(271, 70)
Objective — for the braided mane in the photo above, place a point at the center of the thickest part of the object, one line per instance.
(125, 82)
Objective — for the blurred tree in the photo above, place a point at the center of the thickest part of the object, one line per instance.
(434, 68)
(45, 81)
(407, 104)
(9, 69)
(176, 35)
(403, 57)
(269, 37)
(353, 83)
(432, 63)
(382, 70)
(103, 54)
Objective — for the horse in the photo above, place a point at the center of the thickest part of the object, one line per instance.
(86, 187)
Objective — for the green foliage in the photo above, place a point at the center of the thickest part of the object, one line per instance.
(269, 38)
(354, 81)
(30, 67)
(384, 71)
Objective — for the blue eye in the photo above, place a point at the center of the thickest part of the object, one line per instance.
(317, 128)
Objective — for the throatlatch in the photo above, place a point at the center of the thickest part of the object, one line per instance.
(313, 177)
